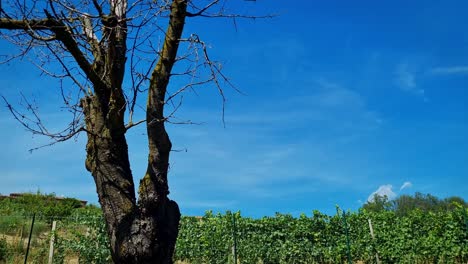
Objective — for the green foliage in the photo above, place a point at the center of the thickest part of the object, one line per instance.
(406, 204)
(419, 237)
(9, 225)
(434, 233)
(85, 236)
(3, 249)
(379, 204)
(47, 206)
(72, 238)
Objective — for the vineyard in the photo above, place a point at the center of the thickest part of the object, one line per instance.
(418, 237)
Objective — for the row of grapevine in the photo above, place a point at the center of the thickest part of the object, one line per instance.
(419, 237)
(434, 237)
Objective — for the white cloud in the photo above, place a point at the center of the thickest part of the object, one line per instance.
(406, 185)
(406, 80)
(383, 190)
(387, 190)
(450, 70)
(333, 95)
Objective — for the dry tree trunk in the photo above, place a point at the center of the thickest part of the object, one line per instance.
(143, 232)
(139, 233)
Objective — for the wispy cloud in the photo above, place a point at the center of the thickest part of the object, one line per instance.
(450, 70)
(405, 79)
(273, 149)
(405, 185)
(383, 190)
(322, 102)
(387, 190)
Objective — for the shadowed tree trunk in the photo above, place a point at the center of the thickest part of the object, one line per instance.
(143, 231)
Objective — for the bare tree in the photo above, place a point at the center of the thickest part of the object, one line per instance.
(95, 45)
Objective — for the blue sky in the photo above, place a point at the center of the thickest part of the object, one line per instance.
(342, 99)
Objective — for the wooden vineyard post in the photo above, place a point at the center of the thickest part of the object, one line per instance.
(373, 239)
(348, 246)
(466, 219)
(52, 239)
(234, 236)
(29, 240)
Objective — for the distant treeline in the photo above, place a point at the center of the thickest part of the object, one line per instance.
(404, 204)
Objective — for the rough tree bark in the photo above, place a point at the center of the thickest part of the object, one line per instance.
(91, 47)
(143, 232)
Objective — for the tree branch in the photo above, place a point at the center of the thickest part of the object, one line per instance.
(203, 9)
(62, 33)
(35, 24)
(154, 185)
